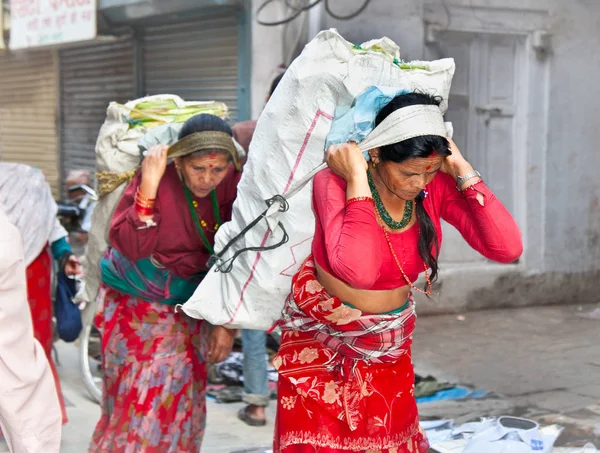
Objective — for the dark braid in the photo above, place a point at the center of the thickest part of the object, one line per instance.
(429, 246)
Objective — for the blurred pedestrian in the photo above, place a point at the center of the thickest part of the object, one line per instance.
(30, 413)
(27, 201)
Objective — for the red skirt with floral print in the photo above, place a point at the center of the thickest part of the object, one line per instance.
(315, 399)
(154, 392)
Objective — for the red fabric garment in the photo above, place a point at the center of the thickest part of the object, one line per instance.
(343, 234)
(332, 396)
(154, 388)
(39, 280)
(243, 132)
(174, 242)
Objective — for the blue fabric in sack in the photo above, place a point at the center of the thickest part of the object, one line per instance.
(68, 315)
(354, 123)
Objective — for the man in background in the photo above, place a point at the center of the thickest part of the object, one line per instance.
(254, 342)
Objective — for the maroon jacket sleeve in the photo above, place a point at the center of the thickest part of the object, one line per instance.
(350, 234)
(133, 238)
(489, 228)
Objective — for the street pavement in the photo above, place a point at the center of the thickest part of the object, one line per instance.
(539, 362)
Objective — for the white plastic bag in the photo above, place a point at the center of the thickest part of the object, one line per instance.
(287, 146)
(117, 151)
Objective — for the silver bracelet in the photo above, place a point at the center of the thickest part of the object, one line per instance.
(460, 180)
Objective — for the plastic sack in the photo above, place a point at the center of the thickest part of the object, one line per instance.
(118, 152)
(288, 145)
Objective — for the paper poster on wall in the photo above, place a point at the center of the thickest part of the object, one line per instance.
(37, 23)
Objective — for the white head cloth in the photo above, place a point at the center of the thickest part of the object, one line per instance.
(402, 124)
(26, 199)
(405, 123)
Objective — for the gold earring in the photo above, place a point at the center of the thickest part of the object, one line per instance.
(374, 164)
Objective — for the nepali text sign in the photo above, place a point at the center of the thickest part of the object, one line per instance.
(35, 23)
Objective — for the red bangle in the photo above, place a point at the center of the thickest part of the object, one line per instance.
(143, 211)
(349, 201)
(143, 203)
(142, 196)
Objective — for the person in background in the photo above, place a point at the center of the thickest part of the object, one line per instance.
(80, 178)
(27, 201)
(30, 412)
(254, 342)
(244, 130)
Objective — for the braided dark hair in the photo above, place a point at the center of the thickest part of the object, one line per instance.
(417, 147)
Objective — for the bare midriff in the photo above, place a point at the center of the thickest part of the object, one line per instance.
(367, 301)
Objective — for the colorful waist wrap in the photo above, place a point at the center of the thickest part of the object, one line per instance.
(144, 279)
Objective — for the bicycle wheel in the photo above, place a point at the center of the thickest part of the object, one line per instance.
(90, 357)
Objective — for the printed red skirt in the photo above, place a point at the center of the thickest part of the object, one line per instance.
(154, 390)
(39, 282)
(331, 402)
(390, 425)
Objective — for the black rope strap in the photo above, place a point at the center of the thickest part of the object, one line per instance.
(227, 265)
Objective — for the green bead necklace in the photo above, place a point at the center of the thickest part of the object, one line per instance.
(201, 223)
(385, 216)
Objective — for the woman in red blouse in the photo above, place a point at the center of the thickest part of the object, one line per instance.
(162, 234)
(346, 378)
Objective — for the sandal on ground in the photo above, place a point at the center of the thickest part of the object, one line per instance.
(244, 416)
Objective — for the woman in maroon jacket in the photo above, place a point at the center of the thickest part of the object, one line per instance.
(162, 235)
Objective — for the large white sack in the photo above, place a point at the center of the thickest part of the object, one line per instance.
(287, 145)
(117, 151)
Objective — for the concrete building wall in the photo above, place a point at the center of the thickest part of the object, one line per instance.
(572, 191)
(267, 56)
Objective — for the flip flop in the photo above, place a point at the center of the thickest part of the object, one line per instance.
(245, 417)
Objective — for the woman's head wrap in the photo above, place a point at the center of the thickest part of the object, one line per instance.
(206, 141)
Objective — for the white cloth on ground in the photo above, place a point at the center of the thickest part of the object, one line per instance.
(491, 435)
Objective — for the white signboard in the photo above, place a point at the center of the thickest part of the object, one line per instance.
(35, 23)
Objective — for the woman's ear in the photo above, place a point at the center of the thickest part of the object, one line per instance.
(374, 154)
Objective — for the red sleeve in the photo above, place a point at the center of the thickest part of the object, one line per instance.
(351, 245)
(489, 228)
(133, 238)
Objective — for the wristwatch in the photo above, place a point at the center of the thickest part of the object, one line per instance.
(460, 180)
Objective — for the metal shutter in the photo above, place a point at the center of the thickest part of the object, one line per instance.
(28, 90)
(196, 60)
(92, 77)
